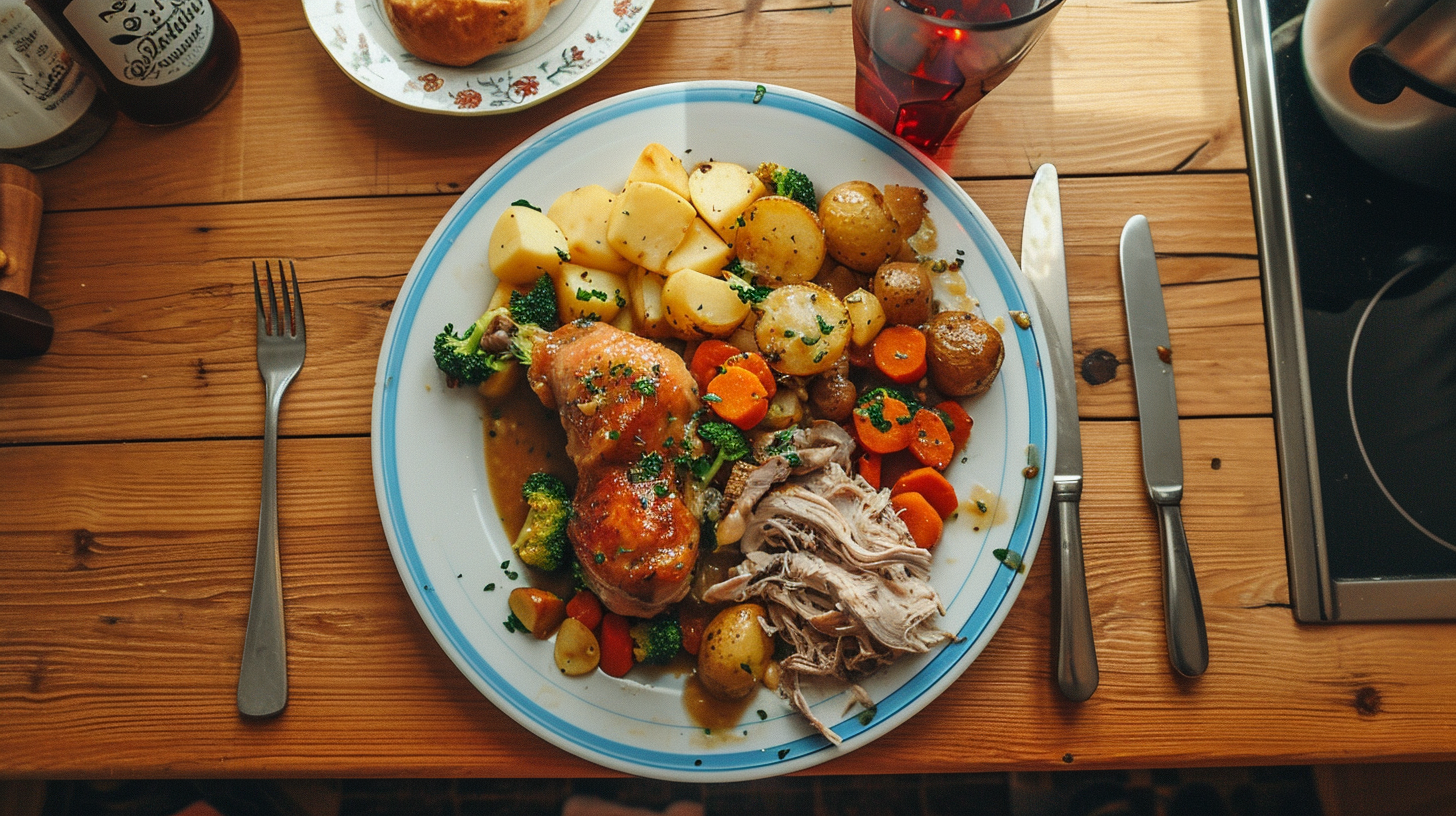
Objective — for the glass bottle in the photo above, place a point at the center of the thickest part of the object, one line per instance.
(163, 62)
(50, 110)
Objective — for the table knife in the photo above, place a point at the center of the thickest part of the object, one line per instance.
(1162, 448)
(1044, 263)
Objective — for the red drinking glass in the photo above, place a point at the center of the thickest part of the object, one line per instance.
(922, 65)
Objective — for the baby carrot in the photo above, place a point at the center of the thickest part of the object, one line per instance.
(931, 443)
(708, 361)
(922, 520)
(869, 469)
(899, 353)
(616, 645)
(754, 362)
(933, 487)
(738, 397)
(883, 425)
(959, 424)
(585, 607)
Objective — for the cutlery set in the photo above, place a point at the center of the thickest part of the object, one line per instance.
(1043, 263)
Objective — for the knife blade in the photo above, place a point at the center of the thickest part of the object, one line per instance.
(1162, 447)
(1044, 264)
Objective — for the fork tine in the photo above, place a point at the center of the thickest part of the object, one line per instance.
(297, 302)
(285, 329)
(258, 301)
(272, 301)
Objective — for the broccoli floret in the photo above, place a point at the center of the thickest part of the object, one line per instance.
(729, 445)
(461, 356)
(492, 343)
(786, 181)
(542, 542)
(656, 641)
(536, 307)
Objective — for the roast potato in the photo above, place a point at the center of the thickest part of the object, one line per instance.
(866, 317)
(832, 394)
(859, 230)
(780, 241)
(964, 353)
(698, 305)
(735, 652)
(802, 329)
(904, 291)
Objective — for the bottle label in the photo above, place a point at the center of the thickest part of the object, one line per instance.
(42, 92)
(145, 42)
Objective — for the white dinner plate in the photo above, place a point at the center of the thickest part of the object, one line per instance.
(441, 522)
(577, 38)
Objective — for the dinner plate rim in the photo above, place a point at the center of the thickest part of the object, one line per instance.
(1032, 513)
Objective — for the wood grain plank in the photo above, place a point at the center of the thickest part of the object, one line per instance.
(296, 127)
(153, 307)
(124, 599)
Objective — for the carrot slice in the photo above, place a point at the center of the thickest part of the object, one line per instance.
(585, 607)
(883, 425)
(899, 353)
(754, 362)
(931, 443)
(738, 397)
(922, 520)
(708, 361)
(869, 469)
(932, 486)
(616, 645)
(959, 424)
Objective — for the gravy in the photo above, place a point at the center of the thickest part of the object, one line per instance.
(521, 438)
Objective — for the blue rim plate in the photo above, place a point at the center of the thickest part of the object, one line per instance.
(449, 544)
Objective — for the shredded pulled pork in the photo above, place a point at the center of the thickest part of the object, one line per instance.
(834, 566)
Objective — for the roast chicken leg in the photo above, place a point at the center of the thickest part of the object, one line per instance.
(625, 402)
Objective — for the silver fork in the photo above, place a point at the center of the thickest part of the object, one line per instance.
(263, 679)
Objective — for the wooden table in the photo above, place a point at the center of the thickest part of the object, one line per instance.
(130, 453)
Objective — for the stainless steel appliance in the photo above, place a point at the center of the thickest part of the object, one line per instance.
(1359, 273)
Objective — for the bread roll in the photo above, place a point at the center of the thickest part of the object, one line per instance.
(462, 32)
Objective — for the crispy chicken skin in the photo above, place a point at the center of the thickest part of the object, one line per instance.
(619, 395)
(637, 541)
(625, 403)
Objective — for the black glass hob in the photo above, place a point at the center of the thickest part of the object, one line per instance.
(1359, 273)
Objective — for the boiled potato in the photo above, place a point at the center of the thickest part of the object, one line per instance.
(524, 245)
(906, 206)
(859, 230)
(964, 353)
(839, 279)
(576, 650)
(659, 165)
(648, 222)
(905, 292)
(802, 329)
(701, 250)
(591, 294)
(866, 317)
(644, 293)
(735, 653)
(698, 305)
(582, 216)
(721, 191)
(780, 241)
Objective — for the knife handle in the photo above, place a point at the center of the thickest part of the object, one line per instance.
(1075, 651)
(1182, 608)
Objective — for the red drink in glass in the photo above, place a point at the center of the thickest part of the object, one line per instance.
(922, 67)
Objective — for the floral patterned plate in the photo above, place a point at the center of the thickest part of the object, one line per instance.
(576, 40)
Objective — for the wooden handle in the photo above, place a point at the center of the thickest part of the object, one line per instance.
(20, 209)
